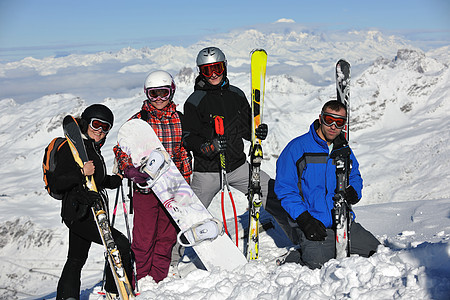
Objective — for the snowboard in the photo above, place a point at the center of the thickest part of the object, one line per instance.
(203, 232)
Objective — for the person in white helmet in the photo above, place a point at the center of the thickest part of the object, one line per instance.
(214, 96)
(154, 233)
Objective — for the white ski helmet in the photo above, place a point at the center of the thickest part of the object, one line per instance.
(158, 79)
(211, 55)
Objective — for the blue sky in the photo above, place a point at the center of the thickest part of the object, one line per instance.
(59, 27)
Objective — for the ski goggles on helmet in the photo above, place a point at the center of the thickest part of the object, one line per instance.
(332, 119)
(97, 124)
(209, 69)
(163, 93)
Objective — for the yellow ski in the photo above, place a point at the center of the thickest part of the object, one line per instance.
(258, 75)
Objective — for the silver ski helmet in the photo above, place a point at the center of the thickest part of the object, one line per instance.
(211, 55)
(159, 79)
(98, 111)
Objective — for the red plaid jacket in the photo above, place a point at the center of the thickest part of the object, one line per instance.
(167, 125)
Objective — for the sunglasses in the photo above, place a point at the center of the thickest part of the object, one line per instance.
(163, 93)
(332, 119)
(209, 69)
(97, 124)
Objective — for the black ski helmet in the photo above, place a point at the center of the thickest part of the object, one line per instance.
(98, 111)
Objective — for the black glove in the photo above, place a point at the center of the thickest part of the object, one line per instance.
(208, 149)
(85, 197)
(261, 131)
(313, 229)
(84, 200)
(218, 144)
(350, 195)
(93, 198)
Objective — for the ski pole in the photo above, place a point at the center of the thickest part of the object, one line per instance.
(224, 180)
(127, 225)
(130, 195)
(102, 292)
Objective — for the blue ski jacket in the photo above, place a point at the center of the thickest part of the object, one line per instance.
(306, 176)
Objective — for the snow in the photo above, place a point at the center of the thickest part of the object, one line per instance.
(399, 133)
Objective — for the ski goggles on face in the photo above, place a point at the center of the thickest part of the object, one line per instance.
(332, 119)
(97, 124)
(209, 69)
(163, 93)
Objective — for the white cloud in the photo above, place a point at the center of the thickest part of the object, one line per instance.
(284, 20)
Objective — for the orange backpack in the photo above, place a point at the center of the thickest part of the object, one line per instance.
(49, 165)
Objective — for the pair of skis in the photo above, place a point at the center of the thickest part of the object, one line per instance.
(75, 140)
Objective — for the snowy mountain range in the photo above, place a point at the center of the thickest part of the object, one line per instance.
(399, 119)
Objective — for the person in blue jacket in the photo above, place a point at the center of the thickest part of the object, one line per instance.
(305, 184)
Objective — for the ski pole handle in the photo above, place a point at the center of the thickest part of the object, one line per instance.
(218, 125)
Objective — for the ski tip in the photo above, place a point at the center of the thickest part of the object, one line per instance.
(258, 50)
(68, 119)
(343, 62)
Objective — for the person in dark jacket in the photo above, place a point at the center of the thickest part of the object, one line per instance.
(305, 184)
(213, 97)
(95, 122)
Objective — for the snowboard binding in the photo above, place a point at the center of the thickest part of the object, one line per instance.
(201, 231)
(154, 165)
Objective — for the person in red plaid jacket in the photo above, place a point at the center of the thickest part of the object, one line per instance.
(154, 234)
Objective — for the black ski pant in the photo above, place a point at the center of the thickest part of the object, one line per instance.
(81, 235)
(273, 206)
(315, 254)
